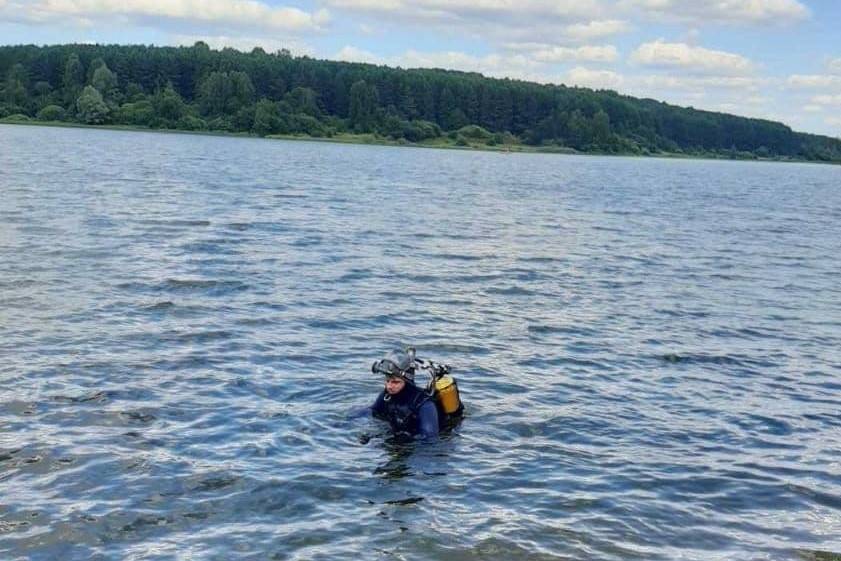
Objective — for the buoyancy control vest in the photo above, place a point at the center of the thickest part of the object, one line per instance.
(402, 410)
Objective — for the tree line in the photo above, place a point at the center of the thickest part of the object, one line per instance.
(197, 88)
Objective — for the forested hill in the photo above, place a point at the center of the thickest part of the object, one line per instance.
(197, 88)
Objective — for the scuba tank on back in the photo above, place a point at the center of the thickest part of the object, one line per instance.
(444, 389)
(446, 392)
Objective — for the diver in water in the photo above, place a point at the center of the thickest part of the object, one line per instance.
(410, 410)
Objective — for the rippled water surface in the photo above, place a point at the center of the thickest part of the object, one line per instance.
(648, 350)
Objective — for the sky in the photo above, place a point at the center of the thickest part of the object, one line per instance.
(773, 59)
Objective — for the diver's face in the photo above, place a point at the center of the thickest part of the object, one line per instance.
(394, 385)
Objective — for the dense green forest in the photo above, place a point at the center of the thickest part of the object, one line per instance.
(200, 89)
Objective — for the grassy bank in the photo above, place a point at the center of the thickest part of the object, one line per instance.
(442, 142)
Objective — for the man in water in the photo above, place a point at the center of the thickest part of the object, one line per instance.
(409, 410)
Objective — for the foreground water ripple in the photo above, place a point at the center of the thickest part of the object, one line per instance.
(648, 350)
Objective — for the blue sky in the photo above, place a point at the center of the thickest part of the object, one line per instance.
(775, 59)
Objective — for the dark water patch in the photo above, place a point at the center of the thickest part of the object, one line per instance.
(214, 483)
(779, 472)
(211, 247)
(139, 439)
(426, 278)
(42, 231)
(575, 330)
(679, 313)
(509, 291)
(96, 396)
(619, 285)
(274, 306)
(175, 223)
(827, 419)
(538, 259)
(526, 275)
(743, 333)
(474, 279)
(187, 286)
(141, 417)
(724, 360)
(458, 257)
(196, 337)
(255, 322)
(404, 502)
(354, 275)
(185, 363)
(558, 361)
(147, 522)
(202, 285)
(453, 348)
(159, 306)
(308, 241)
(600, 228)
(815, 496)
(20, 284)
(764, 424)
(369, 321)
(291, 196)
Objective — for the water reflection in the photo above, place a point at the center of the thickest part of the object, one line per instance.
(399, 450)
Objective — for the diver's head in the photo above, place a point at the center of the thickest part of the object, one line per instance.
(397, 366)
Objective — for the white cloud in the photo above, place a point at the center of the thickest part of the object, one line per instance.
(813, 108)
(527, 46)
(353, 54)
(516, 66)
(814, 81)
(217, 13)
(495, 21)
(372, 5)
(547, 31)
(545, 52)
(586, 17)
(596, 79)
(606, 53)
(680, 55)
(246, 44)
(595, 29)
(656, 82)
(459, 9)
(721, 11)
(827, 99)
(738, 108)
(834, 65)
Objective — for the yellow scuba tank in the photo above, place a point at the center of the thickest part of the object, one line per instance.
(446, 390)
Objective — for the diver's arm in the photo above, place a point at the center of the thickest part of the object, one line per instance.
(428, 420)
(369, 411)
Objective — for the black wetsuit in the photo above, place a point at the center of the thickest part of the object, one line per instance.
(411, 412)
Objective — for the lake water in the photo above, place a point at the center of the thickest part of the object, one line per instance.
(648, 350)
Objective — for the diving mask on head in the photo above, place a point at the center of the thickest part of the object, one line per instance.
(397, 363)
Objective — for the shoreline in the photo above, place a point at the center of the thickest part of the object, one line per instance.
(443, 143)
